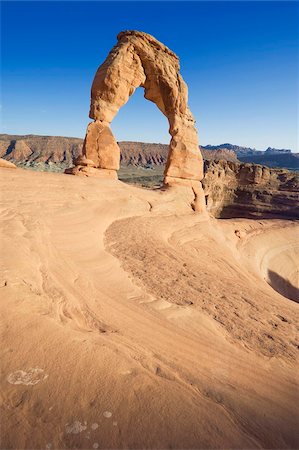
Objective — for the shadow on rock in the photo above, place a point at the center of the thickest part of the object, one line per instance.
(282, 286)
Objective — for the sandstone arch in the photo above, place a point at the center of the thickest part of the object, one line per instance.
(138, 59)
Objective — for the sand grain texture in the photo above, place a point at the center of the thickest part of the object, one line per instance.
(129, 321)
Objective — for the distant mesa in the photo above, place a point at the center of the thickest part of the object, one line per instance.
(277, 150)
(58, 152)
(55, 153)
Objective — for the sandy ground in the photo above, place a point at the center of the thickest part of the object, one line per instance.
(128, 321)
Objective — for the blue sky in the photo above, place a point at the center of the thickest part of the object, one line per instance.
(239, 59)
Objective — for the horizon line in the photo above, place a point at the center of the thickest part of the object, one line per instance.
(146, 142)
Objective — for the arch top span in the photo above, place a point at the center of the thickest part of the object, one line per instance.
(140, 60)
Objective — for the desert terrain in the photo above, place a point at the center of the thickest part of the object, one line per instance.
(132, 318)
(130, 321)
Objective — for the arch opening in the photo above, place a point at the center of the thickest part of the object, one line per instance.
(142, 135)
(140, 120)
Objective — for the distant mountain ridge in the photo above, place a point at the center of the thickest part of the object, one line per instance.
(60, 151)
(239, 150)
(271, 157)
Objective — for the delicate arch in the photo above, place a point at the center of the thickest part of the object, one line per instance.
(138, 59)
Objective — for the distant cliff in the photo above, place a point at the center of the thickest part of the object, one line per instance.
(241, 150)
(57, 152)
(275, 159)
(271, 157)
(144, 154)
(250, 190)
(60, 151)
(33, 149)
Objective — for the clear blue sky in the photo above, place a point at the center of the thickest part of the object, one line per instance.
(239, 59)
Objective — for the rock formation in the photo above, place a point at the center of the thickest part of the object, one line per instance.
(7, 164)
(34, 149)
(250, 190)
(139, 60)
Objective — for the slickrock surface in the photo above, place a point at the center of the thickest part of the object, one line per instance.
(129, 321)
(7, 164)
(249, 190)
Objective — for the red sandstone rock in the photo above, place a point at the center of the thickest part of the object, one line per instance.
(7, 164)
(138, 59)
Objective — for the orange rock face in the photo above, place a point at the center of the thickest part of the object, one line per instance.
(138, 59)
(7, 164)
(101, 147)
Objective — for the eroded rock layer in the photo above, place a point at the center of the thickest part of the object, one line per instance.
(250, 190)
(59, 152)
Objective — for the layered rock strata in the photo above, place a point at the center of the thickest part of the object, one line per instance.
(58, 151)
(250, 190)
